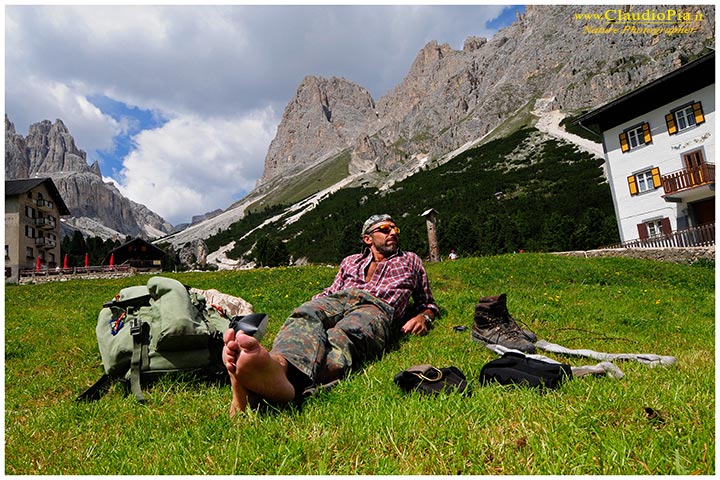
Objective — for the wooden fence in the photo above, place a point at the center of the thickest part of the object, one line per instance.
(702, 236)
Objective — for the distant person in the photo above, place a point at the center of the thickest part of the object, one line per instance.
(354, 320)
(452, 255)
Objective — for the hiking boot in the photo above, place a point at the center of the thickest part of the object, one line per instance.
(493, 324)
(501, 308)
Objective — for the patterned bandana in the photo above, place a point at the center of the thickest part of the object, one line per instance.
(374, 220)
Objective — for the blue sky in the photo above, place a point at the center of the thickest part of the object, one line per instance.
(180, 103)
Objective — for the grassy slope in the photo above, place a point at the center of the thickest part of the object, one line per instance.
(312, 180)
(366, 425)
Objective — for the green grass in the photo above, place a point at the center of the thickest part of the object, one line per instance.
(366, 425)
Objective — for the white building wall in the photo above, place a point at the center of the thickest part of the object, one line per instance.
(666, 152)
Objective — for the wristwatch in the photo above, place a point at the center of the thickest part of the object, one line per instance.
(428, 319)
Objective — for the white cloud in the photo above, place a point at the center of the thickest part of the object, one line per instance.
(192, 165)
(46, 99)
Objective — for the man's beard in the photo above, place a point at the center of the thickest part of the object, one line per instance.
(387, 250)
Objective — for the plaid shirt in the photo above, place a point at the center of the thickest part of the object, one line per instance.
(394, 281)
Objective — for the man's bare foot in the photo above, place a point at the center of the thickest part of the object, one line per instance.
(253, 370)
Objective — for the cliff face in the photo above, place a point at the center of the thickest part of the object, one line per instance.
(323, 118)
(97, 208)
(450, 97)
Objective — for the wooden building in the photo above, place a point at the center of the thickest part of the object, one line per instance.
(138, 254)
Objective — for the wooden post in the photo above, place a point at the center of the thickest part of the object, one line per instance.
(430, 222)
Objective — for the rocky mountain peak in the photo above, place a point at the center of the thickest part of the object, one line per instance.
(324, 118)
(429, 58)
(16, 163)
(472, 43)
(9, 126)
(51, 148)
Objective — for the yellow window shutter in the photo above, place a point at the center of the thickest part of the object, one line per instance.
(698, 111)
(624, 145)
(646, 133)
(632, 185)
(657, 181)
(670, 120)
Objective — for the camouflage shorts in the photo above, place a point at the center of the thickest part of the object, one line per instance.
(325, 338)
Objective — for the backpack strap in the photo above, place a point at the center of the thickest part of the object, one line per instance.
(96, 391)
(138, 356)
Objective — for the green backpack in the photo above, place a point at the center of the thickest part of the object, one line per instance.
(158, 328)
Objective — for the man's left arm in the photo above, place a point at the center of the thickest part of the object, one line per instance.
(423, 298)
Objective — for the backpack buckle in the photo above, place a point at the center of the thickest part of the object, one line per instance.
(135, 326)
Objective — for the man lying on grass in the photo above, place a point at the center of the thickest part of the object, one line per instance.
(352, 321)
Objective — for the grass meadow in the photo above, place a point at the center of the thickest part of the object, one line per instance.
(366, 425)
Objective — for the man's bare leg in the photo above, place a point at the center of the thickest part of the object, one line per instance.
(253, 370)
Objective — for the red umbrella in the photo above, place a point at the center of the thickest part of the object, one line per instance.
(65, 261)
(112, 260)
(38, 264)
(87, 260)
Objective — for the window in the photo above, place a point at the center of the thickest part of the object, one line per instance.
(644, 181)
(52, 257)
(684, 117)
(29, 212)
(694, 159)
(7, 251)
(635, 137)
(697, 173)
(29, 252)
(654, 228)
(29, 231)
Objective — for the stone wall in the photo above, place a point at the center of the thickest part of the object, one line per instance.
(687, 255)
(44, 277)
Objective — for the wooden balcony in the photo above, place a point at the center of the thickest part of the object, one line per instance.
(45, 242)
(45, 223)
(689, 178)
(44, 204)
(702, 236)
